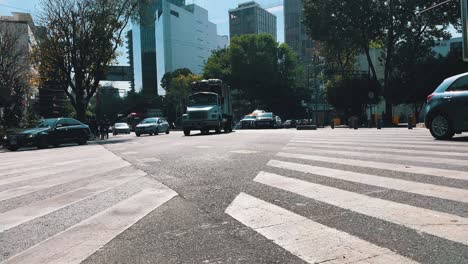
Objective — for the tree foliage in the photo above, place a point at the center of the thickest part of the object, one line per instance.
(80, 40)
(177, 86)
(419, 79)
(350, 94)
(265, 74)
(15, 74)
(396, 26)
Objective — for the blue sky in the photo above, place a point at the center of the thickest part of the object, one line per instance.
(217, 9)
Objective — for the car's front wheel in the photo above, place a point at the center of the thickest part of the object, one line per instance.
(82, 141)
(137, 134)
(441, 128)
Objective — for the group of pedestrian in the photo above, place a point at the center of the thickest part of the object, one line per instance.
(100, 128)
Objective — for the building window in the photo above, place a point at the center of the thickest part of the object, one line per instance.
(174, 13)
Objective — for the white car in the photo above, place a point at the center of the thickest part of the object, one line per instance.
(152, 126)
(120, 128)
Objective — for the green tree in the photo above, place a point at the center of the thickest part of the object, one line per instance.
(264, 73)
(351, 94)
(393, 25)
(15, 74)
(80, 41)
(177, 93)
(413, 82)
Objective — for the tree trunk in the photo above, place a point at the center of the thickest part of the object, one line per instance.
(80, 109)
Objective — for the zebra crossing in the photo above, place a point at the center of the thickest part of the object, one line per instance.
(405, 186)
(62, 205)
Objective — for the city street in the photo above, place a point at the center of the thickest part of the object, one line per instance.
(252, 196)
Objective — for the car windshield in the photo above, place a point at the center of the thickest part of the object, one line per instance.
(249, 117)
(203, 99)
(149, 121)
(266, 115)
(47, 123)
(120, 125)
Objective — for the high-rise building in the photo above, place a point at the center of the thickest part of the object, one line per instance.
(184, 39)
(294, 29)
(251, 18)
(144, 43)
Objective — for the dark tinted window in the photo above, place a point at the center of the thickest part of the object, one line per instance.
(459, 85)
(62, 123)
(72, 122)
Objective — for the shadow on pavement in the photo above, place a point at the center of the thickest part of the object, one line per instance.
(111, 141)
(460, 139)
(210, 134)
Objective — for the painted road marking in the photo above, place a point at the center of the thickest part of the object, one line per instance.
(439, 224)
(452, 174)
(304, 238)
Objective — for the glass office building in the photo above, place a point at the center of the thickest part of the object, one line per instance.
(251, 18)
(144, 40)
(295, 31)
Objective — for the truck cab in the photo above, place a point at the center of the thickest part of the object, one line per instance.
(208, 108)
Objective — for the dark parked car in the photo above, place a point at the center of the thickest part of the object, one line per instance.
(265, 120)
(447, 108)
(48, 132)
(248, 122)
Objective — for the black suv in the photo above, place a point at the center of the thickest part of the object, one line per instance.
(48, 132)
(447, 108)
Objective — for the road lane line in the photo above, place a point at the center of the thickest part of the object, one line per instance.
(80, 241)
(51, 182)
(447, 226)
(304, 238)
(395, 157)
(454, 194)
(452, 174)
(29, 212)
(368, 149)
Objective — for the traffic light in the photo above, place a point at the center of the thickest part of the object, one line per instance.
(464, 20)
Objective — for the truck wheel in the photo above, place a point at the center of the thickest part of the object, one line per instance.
(187, 132)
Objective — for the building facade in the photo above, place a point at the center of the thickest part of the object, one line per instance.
(144, 44)
(185, 38)
(251, 18)
(295, 34)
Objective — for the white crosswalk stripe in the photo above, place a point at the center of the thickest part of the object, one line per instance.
(400, 157)
(306, 239)
(307, 157)
(80, 241)
(454, 194)
(382, 149)
(64, 181)
(453, 174)
(383, 145)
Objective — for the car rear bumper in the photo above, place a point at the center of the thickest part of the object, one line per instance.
(121, 131)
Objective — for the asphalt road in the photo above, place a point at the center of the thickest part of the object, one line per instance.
(262, 196)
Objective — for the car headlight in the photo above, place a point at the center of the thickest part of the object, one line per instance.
(31, 135)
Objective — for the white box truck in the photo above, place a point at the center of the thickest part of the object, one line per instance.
(209, 107)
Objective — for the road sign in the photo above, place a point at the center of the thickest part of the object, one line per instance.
(464, 13)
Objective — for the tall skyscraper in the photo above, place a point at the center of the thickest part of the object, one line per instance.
(251, 18)
(145, 71)
(295, 31)
(185, 38)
